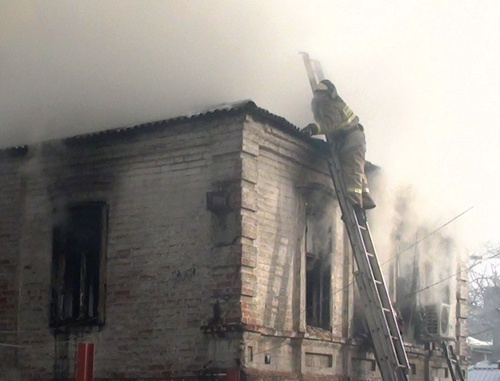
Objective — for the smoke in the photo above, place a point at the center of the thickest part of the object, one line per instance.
(421, 256)
(422, 77)
(74, 68)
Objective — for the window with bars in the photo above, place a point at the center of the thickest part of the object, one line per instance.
(78, 260)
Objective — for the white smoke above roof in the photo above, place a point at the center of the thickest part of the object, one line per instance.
(422, 77)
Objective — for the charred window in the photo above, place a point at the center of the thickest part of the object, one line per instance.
(77, 265)
(318, 272)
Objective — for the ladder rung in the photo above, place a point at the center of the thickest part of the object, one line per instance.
(368, 274)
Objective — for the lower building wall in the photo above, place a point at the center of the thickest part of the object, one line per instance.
(291, 357)
(307, 358)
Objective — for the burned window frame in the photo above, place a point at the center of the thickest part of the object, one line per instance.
(78, 286)
(317, 292)
(318, 258)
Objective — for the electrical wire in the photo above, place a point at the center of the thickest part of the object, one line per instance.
(396, 256)
(457, 273)
(428, 235)
(403, 251)
(342, 288)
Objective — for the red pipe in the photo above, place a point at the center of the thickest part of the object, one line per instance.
(85, 362)
(233, 375)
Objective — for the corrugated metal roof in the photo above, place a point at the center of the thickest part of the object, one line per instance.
(241, 107)
(484, 371)
(230, 109)
(483, 374)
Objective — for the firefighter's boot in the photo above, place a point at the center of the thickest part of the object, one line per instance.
(354, 198)
(368, 202)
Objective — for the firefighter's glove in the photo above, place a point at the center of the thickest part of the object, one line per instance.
(310, 130)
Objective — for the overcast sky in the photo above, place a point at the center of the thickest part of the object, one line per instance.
(422, 75)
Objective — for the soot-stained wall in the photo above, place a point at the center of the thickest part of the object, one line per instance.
(222, 250)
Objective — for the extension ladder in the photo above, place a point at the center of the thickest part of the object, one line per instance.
(453, 364)
(387, 341)
(380, 315)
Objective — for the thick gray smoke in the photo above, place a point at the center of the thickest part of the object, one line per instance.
(422, 77)
(412, 244)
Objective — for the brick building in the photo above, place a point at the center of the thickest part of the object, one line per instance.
(197, 246)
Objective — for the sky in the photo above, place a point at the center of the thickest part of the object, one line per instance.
(422, 76)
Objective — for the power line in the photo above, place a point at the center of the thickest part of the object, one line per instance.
(346, 286)
(429, 234)
(396, 256)
(414, 245)
(454, 275)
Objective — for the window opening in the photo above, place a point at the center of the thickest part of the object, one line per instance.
(318, 273)
(77, 265)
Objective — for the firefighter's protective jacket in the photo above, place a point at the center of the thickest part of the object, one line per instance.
(336, 120)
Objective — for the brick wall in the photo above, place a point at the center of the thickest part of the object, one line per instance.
(164, 271)
(278, 173)
(187, 289)
(10, 221)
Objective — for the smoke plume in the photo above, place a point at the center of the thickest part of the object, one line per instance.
(423, 78)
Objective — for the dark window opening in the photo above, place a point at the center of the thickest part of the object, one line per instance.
(77, 260)
(317, 293)
(413, 368)
(318, 273)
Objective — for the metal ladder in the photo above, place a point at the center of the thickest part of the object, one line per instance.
(380, 315)
(453, 364)
(387, 341)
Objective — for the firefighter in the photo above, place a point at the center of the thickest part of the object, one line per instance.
(337, 121)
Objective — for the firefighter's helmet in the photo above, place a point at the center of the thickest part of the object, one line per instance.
(328, 86)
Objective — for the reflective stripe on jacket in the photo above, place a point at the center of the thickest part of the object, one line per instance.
(333, 115)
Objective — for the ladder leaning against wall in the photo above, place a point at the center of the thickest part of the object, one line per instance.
(381, 319)
(456, 371)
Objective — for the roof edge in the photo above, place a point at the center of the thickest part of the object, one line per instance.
(230, 109)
